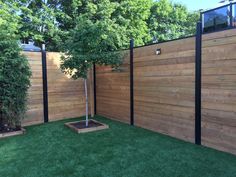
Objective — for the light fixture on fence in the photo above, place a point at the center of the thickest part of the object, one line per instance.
(158, 52)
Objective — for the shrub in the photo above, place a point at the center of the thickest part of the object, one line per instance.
(14, 82)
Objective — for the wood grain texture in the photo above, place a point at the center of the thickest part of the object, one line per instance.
(218, 91)
(34, 114)
(66, 98)
(113, 93)
(164, 88)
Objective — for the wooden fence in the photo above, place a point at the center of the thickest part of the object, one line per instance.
(113, 91)
(164, 89)
(35, 95)
(65, 96)
(219, 90)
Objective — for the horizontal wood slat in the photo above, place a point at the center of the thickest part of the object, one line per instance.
(218, 91)
(113, 91)
(66, 98)
(34, 114)
(164, 88)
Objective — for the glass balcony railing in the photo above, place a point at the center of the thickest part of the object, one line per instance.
(219, 18)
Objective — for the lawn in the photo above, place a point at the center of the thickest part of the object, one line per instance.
(54, 150)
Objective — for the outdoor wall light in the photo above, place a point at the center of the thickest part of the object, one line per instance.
(158, 52)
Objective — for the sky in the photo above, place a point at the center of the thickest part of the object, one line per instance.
(199, 4)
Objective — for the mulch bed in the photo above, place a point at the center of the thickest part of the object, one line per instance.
(80, 126)
(7, 129)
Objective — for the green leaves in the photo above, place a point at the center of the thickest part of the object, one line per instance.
(144, 20)
(38, 20)
(91, 42)
(9, 21)
(170, 21)
(14, 80)
(14, 68)
(133, 15)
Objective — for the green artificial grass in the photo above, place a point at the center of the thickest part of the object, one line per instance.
(54, 150)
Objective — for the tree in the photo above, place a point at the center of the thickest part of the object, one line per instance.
(130, 14)
(133, 15)
(14, 69)
(191, 21)
(171, 20)
(49, 21)
(91, 42)
(9, 21)
(38, 21)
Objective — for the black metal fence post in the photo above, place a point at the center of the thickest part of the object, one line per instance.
(94, 89)
(45, 84)
(198, 83)
(231, 15)
(131, 82)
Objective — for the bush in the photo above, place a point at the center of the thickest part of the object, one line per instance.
(14, 82)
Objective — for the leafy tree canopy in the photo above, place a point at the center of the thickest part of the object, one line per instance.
(38, 21)
(171, 20)
(131, 15)
(9, 21)
(49, 21)
(92, 42)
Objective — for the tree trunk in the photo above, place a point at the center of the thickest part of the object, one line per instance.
(86, 97)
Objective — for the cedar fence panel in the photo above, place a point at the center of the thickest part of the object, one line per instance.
(34, 114)
(164, 88)
(219, 91)
(113, 91)
(65, 96)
